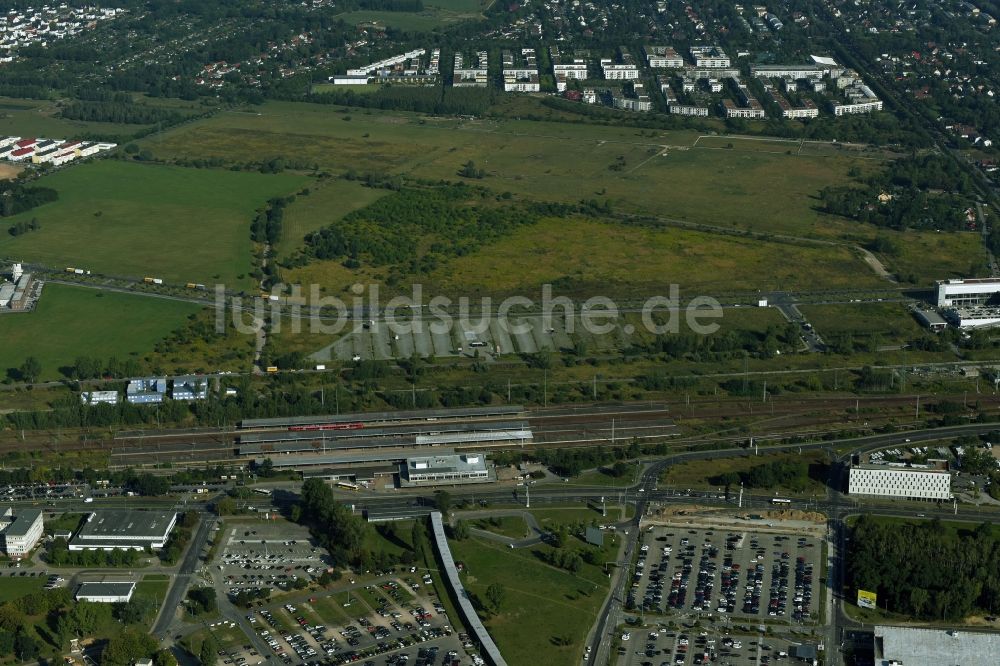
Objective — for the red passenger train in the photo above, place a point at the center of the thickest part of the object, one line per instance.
(355, 425)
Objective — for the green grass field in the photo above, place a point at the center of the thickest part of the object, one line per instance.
(14, 587)
(326, 203)
(508, 526)
(122, 218)
(70, 322)
(542, 605)
(891, 323)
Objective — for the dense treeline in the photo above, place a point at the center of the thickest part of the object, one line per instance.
(16, 197)
(925, 570)
(392, 5)
(424, 99)
(119, 110)
(394, 229)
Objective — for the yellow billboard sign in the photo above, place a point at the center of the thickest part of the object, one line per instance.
(867, 599)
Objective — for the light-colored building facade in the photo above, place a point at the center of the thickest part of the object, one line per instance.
(21, 531)
(900, 482)
(445, 469)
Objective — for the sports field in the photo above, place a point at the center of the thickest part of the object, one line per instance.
(70, 322)
(125, 218)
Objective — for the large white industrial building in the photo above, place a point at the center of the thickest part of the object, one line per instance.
(904, 482)
(966, 293)
(970, 303)
(128, 530)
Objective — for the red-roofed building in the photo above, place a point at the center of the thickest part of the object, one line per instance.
(21, 153)
(24, 143)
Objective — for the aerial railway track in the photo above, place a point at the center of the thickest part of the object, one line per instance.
(564, 427)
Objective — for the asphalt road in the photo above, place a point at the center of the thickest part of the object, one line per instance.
(182, 579)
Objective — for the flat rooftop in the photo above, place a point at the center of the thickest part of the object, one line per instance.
(23, 520)
(123, 589)
(445, 464)
(935, 647)
(124, 524)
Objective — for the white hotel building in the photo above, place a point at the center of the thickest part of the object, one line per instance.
(900, 482)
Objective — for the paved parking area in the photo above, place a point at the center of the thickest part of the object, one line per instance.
(257, 555)
(658, 645)
(401, 629)
(745, 575)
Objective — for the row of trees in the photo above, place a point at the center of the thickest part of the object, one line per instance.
(21, 228)
(59, 554)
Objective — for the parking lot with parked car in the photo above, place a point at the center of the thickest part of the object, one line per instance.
(390, 630)
(658, 645)
(260, 555)
(741, 574)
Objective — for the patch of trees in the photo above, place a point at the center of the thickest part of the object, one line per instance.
(24, 227)
(246, 598)
(790, 474)
(717, 346)
(201, 600)
(924, 570)
(16, 197)
(918, 192)
(87, 367)
(332, 523)
(148, 485)
(179, 537)
(570, 462)
(446, 220)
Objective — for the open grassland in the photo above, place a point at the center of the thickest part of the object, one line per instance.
(326, 203)
(542, 607)
(586, 256)
(890, 323)
(28, 117)
(70, 322)
(123, 218)
(647, 171)
(641, 259)
(928, 255)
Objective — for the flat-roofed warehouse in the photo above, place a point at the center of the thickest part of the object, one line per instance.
(935, 647)
(105, 593)
(135, 530)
